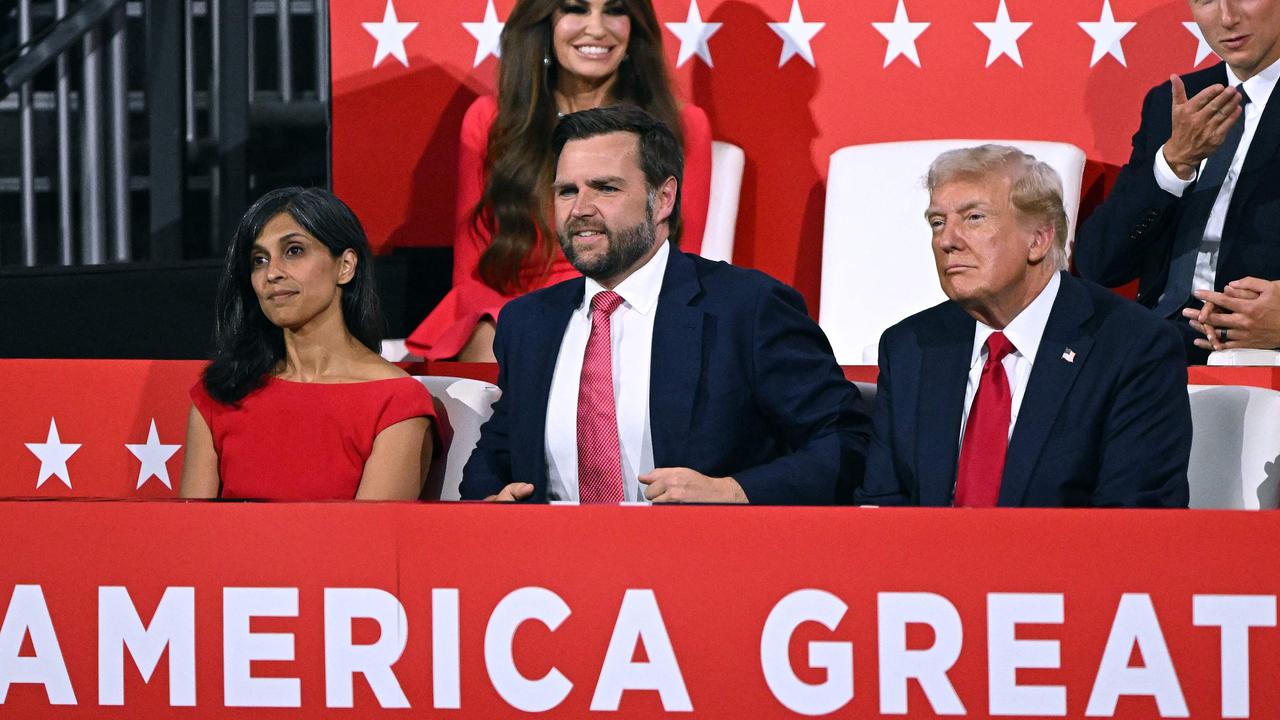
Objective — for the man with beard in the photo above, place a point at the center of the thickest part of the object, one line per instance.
(659, 376)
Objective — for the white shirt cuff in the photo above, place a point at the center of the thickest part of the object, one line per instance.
(1167, 179)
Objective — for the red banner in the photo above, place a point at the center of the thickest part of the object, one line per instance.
(93, 428)
(83, 428)
(173, 610)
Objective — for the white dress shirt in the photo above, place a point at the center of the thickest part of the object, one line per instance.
(631, 343)
(1259, 89)
(1024, 333)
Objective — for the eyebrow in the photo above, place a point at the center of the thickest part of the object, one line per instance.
(967, 206)
(259, 246)
(596, 182)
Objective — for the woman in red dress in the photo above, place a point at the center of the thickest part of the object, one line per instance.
(558, 57)
(297, 404)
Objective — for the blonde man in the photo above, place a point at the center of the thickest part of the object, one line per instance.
(1028, 387)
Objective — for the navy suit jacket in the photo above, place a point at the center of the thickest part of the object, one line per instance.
(742, 383)
(1111, 427)
(1131, 234)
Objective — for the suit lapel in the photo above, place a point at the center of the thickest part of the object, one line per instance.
(1262, 150)
(676, 360)
(562, 300)
(944, 370)
(1052, 376)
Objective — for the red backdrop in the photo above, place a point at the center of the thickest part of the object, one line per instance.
(395, 128)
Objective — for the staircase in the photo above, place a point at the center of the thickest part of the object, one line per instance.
(153, 124)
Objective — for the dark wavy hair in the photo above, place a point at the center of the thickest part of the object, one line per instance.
(246, 344)
(660, 154)
(513, 209)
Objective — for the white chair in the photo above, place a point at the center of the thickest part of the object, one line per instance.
(868, 393)
(877, 264)
(463, 405)
(1235, 447)
(727, 163)
(1242, 357)
(394, 350)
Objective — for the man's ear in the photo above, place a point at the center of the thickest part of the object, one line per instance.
(1042, 241)
(665, 201)
(347, 262)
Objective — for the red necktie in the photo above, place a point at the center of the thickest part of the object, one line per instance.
(986, 435)
(599, 453)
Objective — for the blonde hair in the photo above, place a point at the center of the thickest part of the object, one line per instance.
(1035, 191)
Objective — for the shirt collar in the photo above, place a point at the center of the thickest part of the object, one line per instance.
(640, 289)
(1259, 86)
(1025, 330)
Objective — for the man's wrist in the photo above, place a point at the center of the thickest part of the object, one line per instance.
(1168, 178)
(736, 493)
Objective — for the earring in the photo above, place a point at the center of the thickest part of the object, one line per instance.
(546, 60)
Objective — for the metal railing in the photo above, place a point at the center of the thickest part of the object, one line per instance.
(83, 48)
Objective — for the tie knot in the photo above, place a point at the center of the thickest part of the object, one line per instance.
(998, 347)
(605, 301)
(1244, 96)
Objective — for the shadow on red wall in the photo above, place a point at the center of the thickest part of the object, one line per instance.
(1114, 123)
(415, 209)
(755, 105)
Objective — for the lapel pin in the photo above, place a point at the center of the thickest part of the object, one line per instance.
(1069, 355)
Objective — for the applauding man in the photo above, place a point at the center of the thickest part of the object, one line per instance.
(1193, 214)
(659, 376)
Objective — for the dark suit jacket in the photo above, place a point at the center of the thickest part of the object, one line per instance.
(1110, 428)
(1131, 234)
(742, 383)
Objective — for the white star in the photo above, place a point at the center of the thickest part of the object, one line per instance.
(1202, 48)
(390, 34)
(488, 35)
(53, 454)
(901, 34)
(693, 35)
(1106, 34)
(1003, 35)
(153, 456)
(796, 35)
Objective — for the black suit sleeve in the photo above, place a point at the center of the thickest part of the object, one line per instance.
(1133, 227)
(1147, 429)
(488, 470)
(882, 485)
(804, 394)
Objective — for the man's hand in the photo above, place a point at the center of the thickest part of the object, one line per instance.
(1247, 311)
(1200, 125)
(512, 493)
(682, 485)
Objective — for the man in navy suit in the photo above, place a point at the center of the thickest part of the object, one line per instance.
(659, 376)
(1028, 387)
(1195, 214)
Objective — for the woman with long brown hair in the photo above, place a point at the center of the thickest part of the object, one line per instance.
(558, 57)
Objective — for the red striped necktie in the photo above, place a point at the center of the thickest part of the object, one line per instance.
(599, 452)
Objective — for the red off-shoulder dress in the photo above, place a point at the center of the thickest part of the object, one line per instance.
(306, 441)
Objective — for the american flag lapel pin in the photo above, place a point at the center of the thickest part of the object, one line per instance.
(1069, 355)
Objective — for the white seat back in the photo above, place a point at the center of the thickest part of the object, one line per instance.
(727, 163)
(1235, 447)
(868, 392)
(462, 405)
(877, 264)
(1244, 357)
